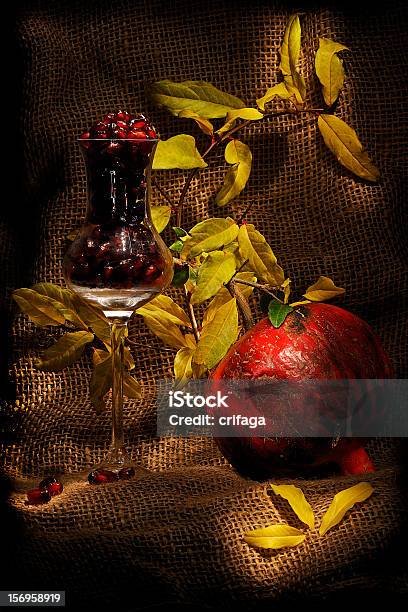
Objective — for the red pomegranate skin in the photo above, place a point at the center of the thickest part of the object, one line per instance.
(316, 341)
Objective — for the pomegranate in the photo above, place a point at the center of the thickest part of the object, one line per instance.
(316, 341)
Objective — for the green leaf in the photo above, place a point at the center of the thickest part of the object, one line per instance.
(342, 140)
(257, 251)
(323, 289)
(177, 152)
(63, 300)
(238, 154)
(216, 270)
(274, 536)
(65, 351)
(166, 309)
(218, 335)
(180, 277)
(160, 217)
(40, 309)
(177, 246)
(277, 91)
(289, 53)
(329, 69)
(277, 312)
(210, 235)
(180, 232)
(204, 125)
(224, 295)
(198, 96)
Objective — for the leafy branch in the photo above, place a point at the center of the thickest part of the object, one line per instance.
(220, 261)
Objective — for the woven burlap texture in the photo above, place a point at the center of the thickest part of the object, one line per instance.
(180, 528)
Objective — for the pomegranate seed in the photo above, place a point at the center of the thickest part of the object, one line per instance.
(85, 136)
(38, 496)
(152, 134)
(126, 473)
(123, 116)
(55, 488)
(122, 124)
(107, 273)
(151, 273)
(120, 133)
(135, 124)
(137, 135)
(48, 480)
(102, 476)
(114, 147)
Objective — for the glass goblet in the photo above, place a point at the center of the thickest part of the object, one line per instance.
(118, 260)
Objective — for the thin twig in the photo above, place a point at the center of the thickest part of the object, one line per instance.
(242, 304)
(163, 193)
(224, 137)
(144, 345)
(191, 315)
(258, 286)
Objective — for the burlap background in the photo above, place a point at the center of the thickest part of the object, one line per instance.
(176, 536)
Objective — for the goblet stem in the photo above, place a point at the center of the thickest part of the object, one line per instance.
(117, 451)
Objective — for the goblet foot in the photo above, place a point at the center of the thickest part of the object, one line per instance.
(117, 465)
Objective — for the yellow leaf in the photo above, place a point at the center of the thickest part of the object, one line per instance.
(252, 114)
(257, 251)
(274, 536)
(101, 380)
(131, 387)
(65, 351)
(168, 332)
(286, 290)
(296, 87)
(204, 125)
(177, 152)
(289, 53)
(94, 318)
(190, 341)
(342, 502)
(297, 502)
(182, 365)
(342, 140)
(218, 335)
(198, 96)
(238, 154)
(199, 370)
(63, 301)
(277, 91)
(216, 270)
(160, 216)
(329, 69)
(209, 235)
(301, 303)
(224, 296)
(166, 309)
(323, 289)
(39, 308)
